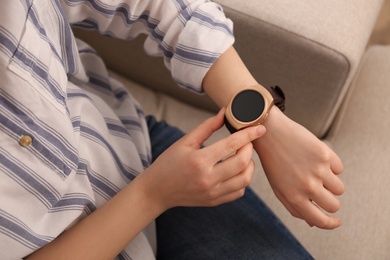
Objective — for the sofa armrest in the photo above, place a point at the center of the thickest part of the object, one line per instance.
(310, 48)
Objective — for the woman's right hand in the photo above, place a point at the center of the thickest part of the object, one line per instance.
(184, 175)
(188, 175)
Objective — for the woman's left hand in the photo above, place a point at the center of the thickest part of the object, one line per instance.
(302, 170)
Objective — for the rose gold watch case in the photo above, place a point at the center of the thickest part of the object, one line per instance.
(268, 103)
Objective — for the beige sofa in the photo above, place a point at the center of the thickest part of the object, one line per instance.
(335, 87)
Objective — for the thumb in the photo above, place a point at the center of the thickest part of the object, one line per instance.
(203, 131)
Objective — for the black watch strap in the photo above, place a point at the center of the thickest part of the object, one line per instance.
(278, 95)
(229, 127)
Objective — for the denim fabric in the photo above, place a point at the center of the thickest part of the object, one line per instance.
(242, 229)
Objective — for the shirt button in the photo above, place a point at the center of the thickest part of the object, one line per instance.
(25, 140)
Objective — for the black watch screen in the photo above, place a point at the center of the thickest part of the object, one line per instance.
(248, 105)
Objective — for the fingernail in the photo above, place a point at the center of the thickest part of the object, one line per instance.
(260, 130)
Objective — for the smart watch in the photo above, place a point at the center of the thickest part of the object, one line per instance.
(251, 106)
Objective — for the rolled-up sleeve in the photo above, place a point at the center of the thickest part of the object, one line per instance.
(189, 34)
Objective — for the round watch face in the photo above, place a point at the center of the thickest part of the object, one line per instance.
(248, 105)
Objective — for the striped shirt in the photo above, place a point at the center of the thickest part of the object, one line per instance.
(72, 137)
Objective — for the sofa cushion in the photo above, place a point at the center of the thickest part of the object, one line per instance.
(361, 137)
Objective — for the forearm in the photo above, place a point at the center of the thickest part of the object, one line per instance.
(227, 76)
(105, 233)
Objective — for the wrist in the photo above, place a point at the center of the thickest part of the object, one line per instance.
(276, 124)
(120, 219)
(149, 194)
(274, 116)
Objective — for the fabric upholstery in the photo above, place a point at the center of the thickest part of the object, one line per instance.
(361, 137)
(343, 27)
(311, 74)
(312, 48)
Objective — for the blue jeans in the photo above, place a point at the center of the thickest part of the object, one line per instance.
(239, 230)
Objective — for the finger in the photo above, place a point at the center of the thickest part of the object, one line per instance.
(314, 216)
(233, 185)
(237, 182)
(336, 164)
(287, 205)
(309, 212)
(327, 201)
(334, 184)
(232, 143)
(233, 164)
(204, 130)
(227, 198)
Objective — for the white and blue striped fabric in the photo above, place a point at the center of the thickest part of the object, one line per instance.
(86, 136)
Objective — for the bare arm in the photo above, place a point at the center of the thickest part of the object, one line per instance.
(300, 168)
(104, 233)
